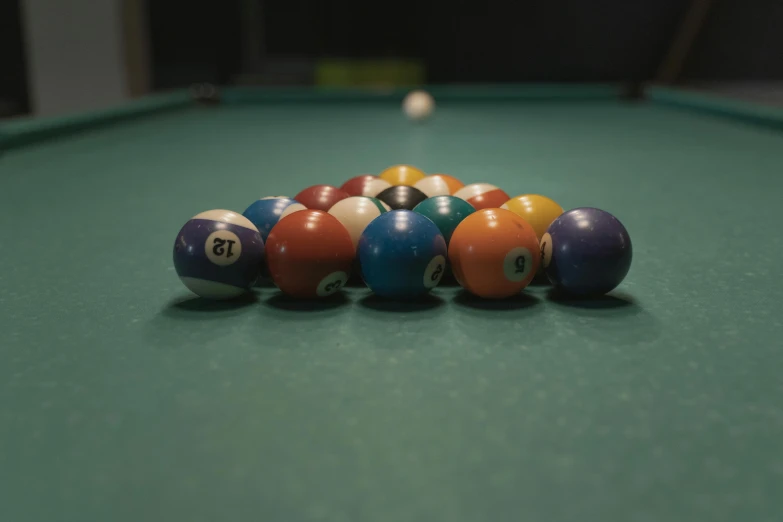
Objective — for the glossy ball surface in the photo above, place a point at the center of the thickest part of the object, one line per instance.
(266, 212)
(364, 185)
(402, 197)
(418, 105)
(356, 212)
(447, 212)
(439, 185)
(218, 254)
(586, 252)
(482, 195)
(402, 175)
(539, 211)
(309, 254)
(494, 253)
(402, 255)
(320, 197)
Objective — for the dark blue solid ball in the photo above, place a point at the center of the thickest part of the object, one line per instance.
(402, 255)
(586, 252)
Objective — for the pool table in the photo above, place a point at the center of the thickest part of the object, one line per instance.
(125, 398)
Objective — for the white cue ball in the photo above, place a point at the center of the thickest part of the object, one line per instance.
(418, 105)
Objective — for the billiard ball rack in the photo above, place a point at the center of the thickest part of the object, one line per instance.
(399, 232)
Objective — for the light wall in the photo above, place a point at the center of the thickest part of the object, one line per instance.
(80, 55)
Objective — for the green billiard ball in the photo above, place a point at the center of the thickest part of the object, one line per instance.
(446, 212)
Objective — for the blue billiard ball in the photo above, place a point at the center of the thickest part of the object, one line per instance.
(266, 212)
(586, 252)
(218, 254)
(402, 255)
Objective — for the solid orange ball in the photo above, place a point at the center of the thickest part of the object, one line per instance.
(494, 253)
(402, 175)
(310, 254)
(539, 211)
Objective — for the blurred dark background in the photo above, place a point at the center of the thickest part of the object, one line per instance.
(284, 42)
(13, 75)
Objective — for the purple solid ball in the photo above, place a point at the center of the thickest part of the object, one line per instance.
(586, 252)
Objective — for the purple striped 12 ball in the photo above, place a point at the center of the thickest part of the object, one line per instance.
(586, 252)
(218, 254)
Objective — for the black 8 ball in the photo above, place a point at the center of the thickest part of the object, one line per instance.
(402, 197)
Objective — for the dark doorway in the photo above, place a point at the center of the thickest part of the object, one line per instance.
(13, 78)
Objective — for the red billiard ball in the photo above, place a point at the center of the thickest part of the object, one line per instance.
(483, 195)
(365, 185)
(320, 197)
(309, 254)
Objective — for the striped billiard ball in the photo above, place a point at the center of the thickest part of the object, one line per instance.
(364, 185)
(356, 212)
(539, 211)
(218, 254)
(320, 197)
(482, 195)
(439, 185)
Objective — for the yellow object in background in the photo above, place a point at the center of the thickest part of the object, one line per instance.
(402, 175)
(334, 72)
(537, 210)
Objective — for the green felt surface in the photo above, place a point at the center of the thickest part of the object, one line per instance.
(30, 130)
(737, 110)
(122, 398)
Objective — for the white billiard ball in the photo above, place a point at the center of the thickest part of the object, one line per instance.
(418, 105)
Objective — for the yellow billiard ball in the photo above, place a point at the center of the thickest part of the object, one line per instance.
(402, 175)
(538, 211)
